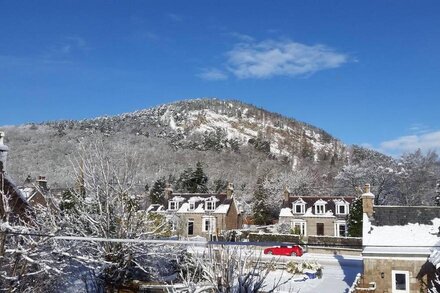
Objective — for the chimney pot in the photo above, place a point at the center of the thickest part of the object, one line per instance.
(42, 182)
(367, 188)
(168, 192)
(368, 201)
(230, 190)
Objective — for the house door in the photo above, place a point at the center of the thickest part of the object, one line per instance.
(190, 227)
(319, 228)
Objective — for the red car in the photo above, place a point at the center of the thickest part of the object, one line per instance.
(294, 250)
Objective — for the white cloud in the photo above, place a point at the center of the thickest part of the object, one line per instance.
(409, 143)
(270, 58)
(241, 37)
(419, 128)
(213, 74)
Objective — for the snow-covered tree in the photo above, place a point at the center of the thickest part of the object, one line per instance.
(229, 270)
(417, 178)
(156, 192)
(354, 219)
(108, 208)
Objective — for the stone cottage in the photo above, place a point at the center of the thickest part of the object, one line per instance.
(316, 215)
(400, 247)
(200, 214)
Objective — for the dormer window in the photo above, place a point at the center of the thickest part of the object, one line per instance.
(341, 210)
(320, 207)
(192, 205)
(210, 205)
(299, 206)
(173, 205)
(342, 207)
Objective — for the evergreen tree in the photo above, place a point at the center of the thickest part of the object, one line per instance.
(199, 179)
(67, 201)
(156, 193)
(260, 209)
(354, 220)
(193, 181)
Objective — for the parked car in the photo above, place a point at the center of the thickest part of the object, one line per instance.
(294, 250)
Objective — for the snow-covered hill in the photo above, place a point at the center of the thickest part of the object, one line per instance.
(235, 141)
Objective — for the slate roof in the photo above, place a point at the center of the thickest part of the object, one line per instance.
(311, 200)
(403, 215)
(221, 198)
(17, 199)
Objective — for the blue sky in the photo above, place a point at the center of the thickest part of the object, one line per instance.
(368, 72)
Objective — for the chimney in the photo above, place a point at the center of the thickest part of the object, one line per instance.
(42, 183)
(3, 153)
(230, 190)
(286, 193)
(367, 201)
(168, 191)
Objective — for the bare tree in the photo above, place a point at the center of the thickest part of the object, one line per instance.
(230, 270)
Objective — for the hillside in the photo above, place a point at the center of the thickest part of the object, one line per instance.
(234, 141)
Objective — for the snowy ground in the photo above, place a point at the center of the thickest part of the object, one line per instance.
(338, 273)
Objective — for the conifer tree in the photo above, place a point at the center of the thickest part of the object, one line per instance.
(199, 179)
(260, 209)
(156, 193)
(354, 220)
(193, 181)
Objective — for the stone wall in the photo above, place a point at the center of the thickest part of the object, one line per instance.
(350, 242)
(269, 237)
(374, 267)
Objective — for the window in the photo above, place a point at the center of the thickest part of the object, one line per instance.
(319, 229)
(173, 205)
(299, 228)
(190, 227)
(400, 281)
(342, 209)
(299, 208)
(341, 229)
(208, 225)
(210, 205)
(319, 209)
(192, 205)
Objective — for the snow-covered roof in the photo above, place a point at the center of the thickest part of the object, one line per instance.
(178, 198)
(286, 212)
(339, 201)
(184, 208)
(299, 201)
(195, 199)
(154, 208)
(410, 239)
(308, 212)
(222, 209)
(212, 198)
(320, 201)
